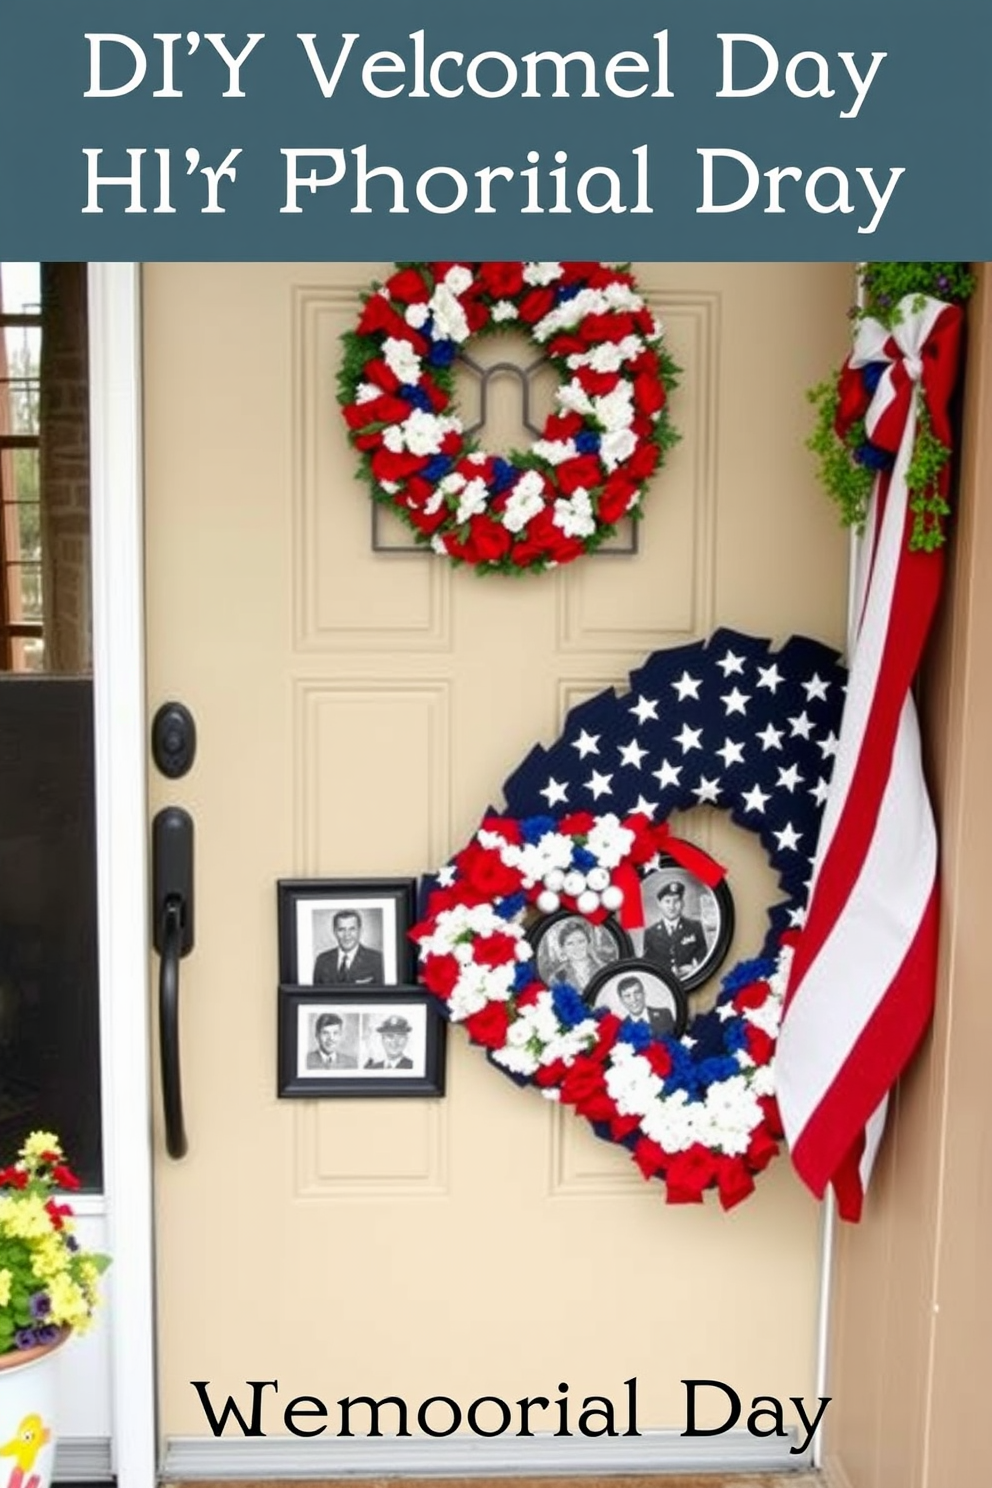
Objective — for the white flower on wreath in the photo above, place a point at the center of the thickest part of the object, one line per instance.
(401, 359)
(574, 514)
(609, 841)
(554, 450)
(534, 860)
(615, 410)
(417, 315)
(573, 397)
(423, 432)
(504, 310)
(542, 272)
(524, 502)
(671, 1122)
(474, 499)
(450, 323)
(616, 447)
(631, 1082)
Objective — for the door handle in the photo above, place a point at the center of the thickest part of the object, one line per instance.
(172, 922)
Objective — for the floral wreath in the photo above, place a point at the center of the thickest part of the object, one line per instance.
(608, 434)
(698, 1111)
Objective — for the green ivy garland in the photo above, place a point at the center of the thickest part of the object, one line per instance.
(841, 469)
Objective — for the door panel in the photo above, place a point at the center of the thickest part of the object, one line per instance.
(356, 713)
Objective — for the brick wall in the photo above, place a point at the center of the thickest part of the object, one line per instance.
(65, 487)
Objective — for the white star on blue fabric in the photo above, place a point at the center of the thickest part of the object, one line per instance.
(554, 791)
(687, 686)
(688, 738)
(770, 736)
(731, 665)
(706, 790)
(790, 778)
(645, 808)
(755, 798)
(828, 746)
(586, 744)
(735, 701)
(668, 774)
(787, 838)
(801, 726)
(816, 687)
(645, 708)
(446, 875)
(770, 677)
(731, 753)
(820, 791)
(599, 785)
(632, 754)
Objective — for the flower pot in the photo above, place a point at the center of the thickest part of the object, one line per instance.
(28, 1404)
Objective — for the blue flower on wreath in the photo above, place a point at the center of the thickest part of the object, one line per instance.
(536, 827)
(758, 969)
(638, 1035)
(511, 906)
(503, 475)
(588, 442)
(416, 396)
(442, 353)
(436, 468)
(569, 1008)
(567, 292)
(583, 859)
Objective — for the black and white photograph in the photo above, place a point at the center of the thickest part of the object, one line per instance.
(568, 949)
(388, 1041)
(345, 933)
(688, 926)
(640, 992)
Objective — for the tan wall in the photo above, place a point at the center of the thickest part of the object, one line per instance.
(912, 1315)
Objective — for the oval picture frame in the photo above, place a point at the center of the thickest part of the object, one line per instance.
(659, 1002)
(697, 947)
(609, 943)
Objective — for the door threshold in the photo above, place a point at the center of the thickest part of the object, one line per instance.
(802, 1479)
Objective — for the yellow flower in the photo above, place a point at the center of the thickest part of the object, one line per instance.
(5, 1279)
(50, 1257)
(39, 1142)
(70, 1306)
(24, 1217)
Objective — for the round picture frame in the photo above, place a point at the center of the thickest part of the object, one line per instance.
(638, 991)
(607, 941)
(697, 945)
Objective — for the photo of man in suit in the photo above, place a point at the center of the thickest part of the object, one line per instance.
(675, 942)
(327, 1053)
(349, 962)
(633, 1001)
(394, 1032)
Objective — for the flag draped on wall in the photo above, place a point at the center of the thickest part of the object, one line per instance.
(862, 983)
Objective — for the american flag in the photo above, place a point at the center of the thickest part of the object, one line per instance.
(862, 980)
(729, 723)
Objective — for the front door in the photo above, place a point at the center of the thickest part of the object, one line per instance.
(356, 712)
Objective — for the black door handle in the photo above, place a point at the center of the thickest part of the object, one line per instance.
(172, 921)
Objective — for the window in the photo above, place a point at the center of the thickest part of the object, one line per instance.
(21, 618)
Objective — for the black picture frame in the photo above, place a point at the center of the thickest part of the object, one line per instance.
(359, 1067)
(662, 995)
(307, 910)
(608, 943)
(698, 951)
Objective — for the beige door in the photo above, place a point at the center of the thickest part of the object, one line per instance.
(352, 721)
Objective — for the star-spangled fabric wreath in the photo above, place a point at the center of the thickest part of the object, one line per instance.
(605, 438)
(730, 723)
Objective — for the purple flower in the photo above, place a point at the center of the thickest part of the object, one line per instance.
(40, 1305)
(25, 1338)
(48, 1333)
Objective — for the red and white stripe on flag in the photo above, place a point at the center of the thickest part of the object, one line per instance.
(862, 981)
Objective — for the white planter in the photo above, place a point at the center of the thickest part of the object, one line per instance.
(28, 1425)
